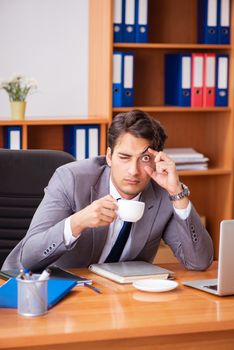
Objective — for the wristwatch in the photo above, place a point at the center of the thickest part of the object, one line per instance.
(185, 193)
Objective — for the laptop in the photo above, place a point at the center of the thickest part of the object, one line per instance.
(224, 284)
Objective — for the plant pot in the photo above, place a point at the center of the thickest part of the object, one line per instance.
(18, 110)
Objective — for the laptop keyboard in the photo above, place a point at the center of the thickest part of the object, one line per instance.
(214, 287)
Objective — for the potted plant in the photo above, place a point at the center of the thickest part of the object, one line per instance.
(18, 88)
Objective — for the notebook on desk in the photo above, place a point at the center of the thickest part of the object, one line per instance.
(129, 271)
(224, 283)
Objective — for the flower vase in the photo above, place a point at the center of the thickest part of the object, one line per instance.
(18, 110)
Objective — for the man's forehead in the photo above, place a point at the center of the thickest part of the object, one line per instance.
(129, 144)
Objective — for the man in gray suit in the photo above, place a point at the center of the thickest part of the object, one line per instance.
(76, 223)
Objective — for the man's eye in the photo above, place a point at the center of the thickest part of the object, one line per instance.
(145, 158)
(123, 157)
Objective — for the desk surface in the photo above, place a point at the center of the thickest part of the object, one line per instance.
(124, 318)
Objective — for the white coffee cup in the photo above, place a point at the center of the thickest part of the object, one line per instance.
(129, 210)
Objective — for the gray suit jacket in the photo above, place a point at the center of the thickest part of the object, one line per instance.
(73, 187)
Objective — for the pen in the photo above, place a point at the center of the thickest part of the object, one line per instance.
(44, 275)
(25, 274)
(95, 289)
(21, 275)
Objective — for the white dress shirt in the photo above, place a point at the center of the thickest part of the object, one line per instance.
(115, 228)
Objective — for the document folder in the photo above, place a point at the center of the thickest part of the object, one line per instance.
(129, 21)
(209, 80)
(141, 21)
(118, 20)
(123, 79)
(13, 137)
(117, 79)
(197, 80)
(128, 89)
(207, 21)
(221, 94)
(57, 289)
(178, 79)
(224, 22)
(93, 141)
(75, 141)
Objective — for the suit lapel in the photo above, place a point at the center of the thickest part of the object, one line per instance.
(142, 229)
(98, 191)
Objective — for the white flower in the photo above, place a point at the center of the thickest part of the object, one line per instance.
(18, 87)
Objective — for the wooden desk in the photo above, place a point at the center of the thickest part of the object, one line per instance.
(124, 318)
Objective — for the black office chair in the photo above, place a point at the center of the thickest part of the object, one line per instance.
(23, 176)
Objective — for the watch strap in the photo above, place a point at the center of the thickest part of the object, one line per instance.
(184, 193)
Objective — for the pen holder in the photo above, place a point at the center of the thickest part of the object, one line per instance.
(32, 296)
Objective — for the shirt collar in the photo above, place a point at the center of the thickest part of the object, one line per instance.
(115, 194)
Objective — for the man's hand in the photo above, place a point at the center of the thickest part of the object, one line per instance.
(166, 176)
(99, 213)
(165, 173)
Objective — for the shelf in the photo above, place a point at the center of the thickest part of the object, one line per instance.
(49, 133)
(209, 172)
(30, 122)
(171, 46)
(208, 130)
(172, 109)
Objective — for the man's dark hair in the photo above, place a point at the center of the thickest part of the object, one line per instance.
(138, 124)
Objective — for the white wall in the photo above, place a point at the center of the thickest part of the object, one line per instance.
(46, 40)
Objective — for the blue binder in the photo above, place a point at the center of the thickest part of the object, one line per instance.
(178, 79)
(207, 21)
(221, 92)
(117, 79)
(12, 137)
(57, 289)
(93, 136)
(223, 21)
(128, 80)
(129, 22)
(118, 20)
(82, 141)
(141, 20)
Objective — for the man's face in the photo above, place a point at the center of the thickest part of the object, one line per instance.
(127, 162)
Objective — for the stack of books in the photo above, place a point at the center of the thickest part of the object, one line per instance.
(187, 158)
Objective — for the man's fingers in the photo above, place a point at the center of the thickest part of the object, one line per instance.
(108, 213)
(108, 202)
(103, 211)
(153, 152)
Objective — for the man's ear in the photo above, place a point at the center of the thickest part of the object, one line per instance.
(108, 156)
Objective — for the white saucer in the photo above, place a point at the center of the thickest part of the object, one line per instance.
(155, 285)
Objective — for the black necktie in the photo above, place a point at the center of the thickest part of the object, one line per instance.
(119, 245)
